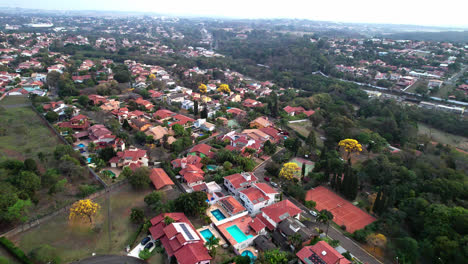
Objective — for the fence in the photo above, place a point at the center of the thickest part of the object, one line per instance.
(33, 223)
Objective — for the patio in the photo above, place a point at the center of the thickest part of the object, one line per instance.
(215, 233)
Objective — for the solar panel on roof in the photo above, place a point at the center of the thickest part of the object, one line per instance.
(261, 199)
(186, 231)
(228, 205)
(315, 259)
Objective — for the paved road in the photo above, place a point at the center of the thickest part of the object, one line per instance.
(110, 259)
(334, 233)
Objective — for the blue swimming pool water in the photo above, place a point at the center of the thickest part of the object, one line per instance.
(81, 145)
(206, 234)
(237, 234)
(89, 160)
(249, 254)
(211, 167)
(218, 215)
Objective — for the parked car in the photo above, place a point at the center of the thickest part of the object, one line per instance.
(266, 179)
(149, 245)
(145, 240)
(274, 184)
(313, 213)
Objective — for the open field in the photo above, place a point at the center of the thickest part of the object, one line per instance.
(24, 135)
(77, 239)
(304, 128)
(443, 137)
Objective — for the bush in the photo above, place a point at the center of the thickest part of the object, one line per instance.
(137, 216)
(145, 254)
(14, 250)
(44, 254)
(86, 190)
(198, 139)
(131, 240)
(343, 227)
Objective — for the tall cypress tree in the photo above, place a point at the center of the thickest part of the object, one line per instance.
(195, 108)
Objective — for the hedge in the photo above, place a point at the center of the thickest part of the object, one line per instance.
(131, 240)
(14, 250)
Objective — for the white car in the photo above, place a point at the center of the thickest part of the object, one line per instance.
(274, 184)
(313, 213)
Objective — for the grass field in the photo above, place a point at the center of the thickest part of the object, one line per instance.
(77, 240)
(24, 133)
(443, 137)
(304, 129)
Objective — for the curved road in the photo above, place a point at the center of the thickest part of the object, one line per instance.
(110, 259)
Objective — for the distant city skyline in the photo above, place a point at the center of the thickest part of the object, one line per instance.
(448, 13)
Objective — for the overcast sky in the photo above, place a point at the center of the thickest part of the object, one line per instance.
(416, 12)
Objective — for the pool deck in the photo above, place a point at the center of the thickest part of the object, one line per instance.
(243, 224)
(214, 232)
(251, 249)
(211, 216)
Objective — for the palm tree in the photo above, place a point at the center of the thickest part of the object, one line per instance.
(325, 217)
(211, 244)
(296, 241)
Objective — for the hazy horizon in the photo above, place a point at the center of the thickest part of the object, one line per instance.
(416, 12)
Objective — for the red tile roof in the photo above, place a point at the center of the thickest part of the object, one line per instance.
(257, 224)
(265, 188)
(322, 251)
(281, 210)
(201, 148)
(160, 178)
(255, 195)
(163, 113)
(290, 109)
(238, 181)
(234, 204)
(192, 253)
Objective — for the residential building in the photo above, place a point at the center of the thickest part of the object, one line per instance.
(321, 253)
(274, 214)
(160, 179)
(239, 181)
(257, 197)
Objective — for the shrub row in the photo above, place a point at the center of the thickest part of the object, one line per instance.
(14, 250)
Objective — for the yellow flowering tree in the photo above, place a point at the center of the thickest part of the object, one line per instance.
(289, 171)
(350, 146)
(84, 208)
(376, 240)
(202, 87)
(152, 76)
(224, 88)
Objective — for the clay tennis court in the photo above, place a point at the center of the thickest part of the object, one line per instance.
(343, 211)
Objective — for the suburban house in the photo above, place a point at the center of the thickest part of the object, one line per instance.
(201, 150)
(131, 157)
(203, 125)
(274, 214)
(237, 112)
(79, 122)
(257, 197)
(292, 226)
(97, 99)
(183, 162)
(239, 181)
(160, 179)
(179, 239)
(158, 132)
(251, 103)
(261, 122)
(144, 103)
(321, 252)
(225, 209)
(110, 105)
(292, 111)
(192, 175)
(163, 114)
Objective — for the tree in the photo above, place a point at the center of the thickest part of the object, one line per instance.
(269, 148)
(204, 112)
(350, 146)
(325, 217)
(18, 211)
(296, 241)
(275, 256)
(211, 244)
(310, 204)
(91, 146)
(122, 76)
(227, 165)
(145, 254)
(27, 182)
(192, 203)
(83, 100)
(178, 130)
(202, 87)
(137, 216)
(51, 116)
(292, 144)
(289, 171)
(106, 153)
(53, 78)
(311, 140)
(168, 220)
(84, 209)
(376, 240)
(303, 170)
(30, 165)
(154, 200)
(195, 107)
(140, 137)
(139, 179)
(224, 88)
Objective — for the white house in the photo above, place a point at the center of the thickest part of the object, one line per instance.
(257, 197)
(187, 105)
(239, 181)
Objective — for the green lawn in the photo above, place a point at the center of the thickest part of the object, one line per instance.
(25, 134)
(12, 100)
(304, 129)
(77, 241)
(8, 256)
(443, 137)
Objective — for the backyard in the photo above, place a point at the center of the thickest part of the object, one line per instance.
(443, 137)
(76, 240)
(304, 128)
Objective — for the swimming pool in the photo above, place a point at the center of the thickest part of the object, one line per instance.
(110, 173)
(89, 160)
(81, 145)
(211, 167)
(206, 234)
(249, 254)
(237, 234)
(218, 215)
